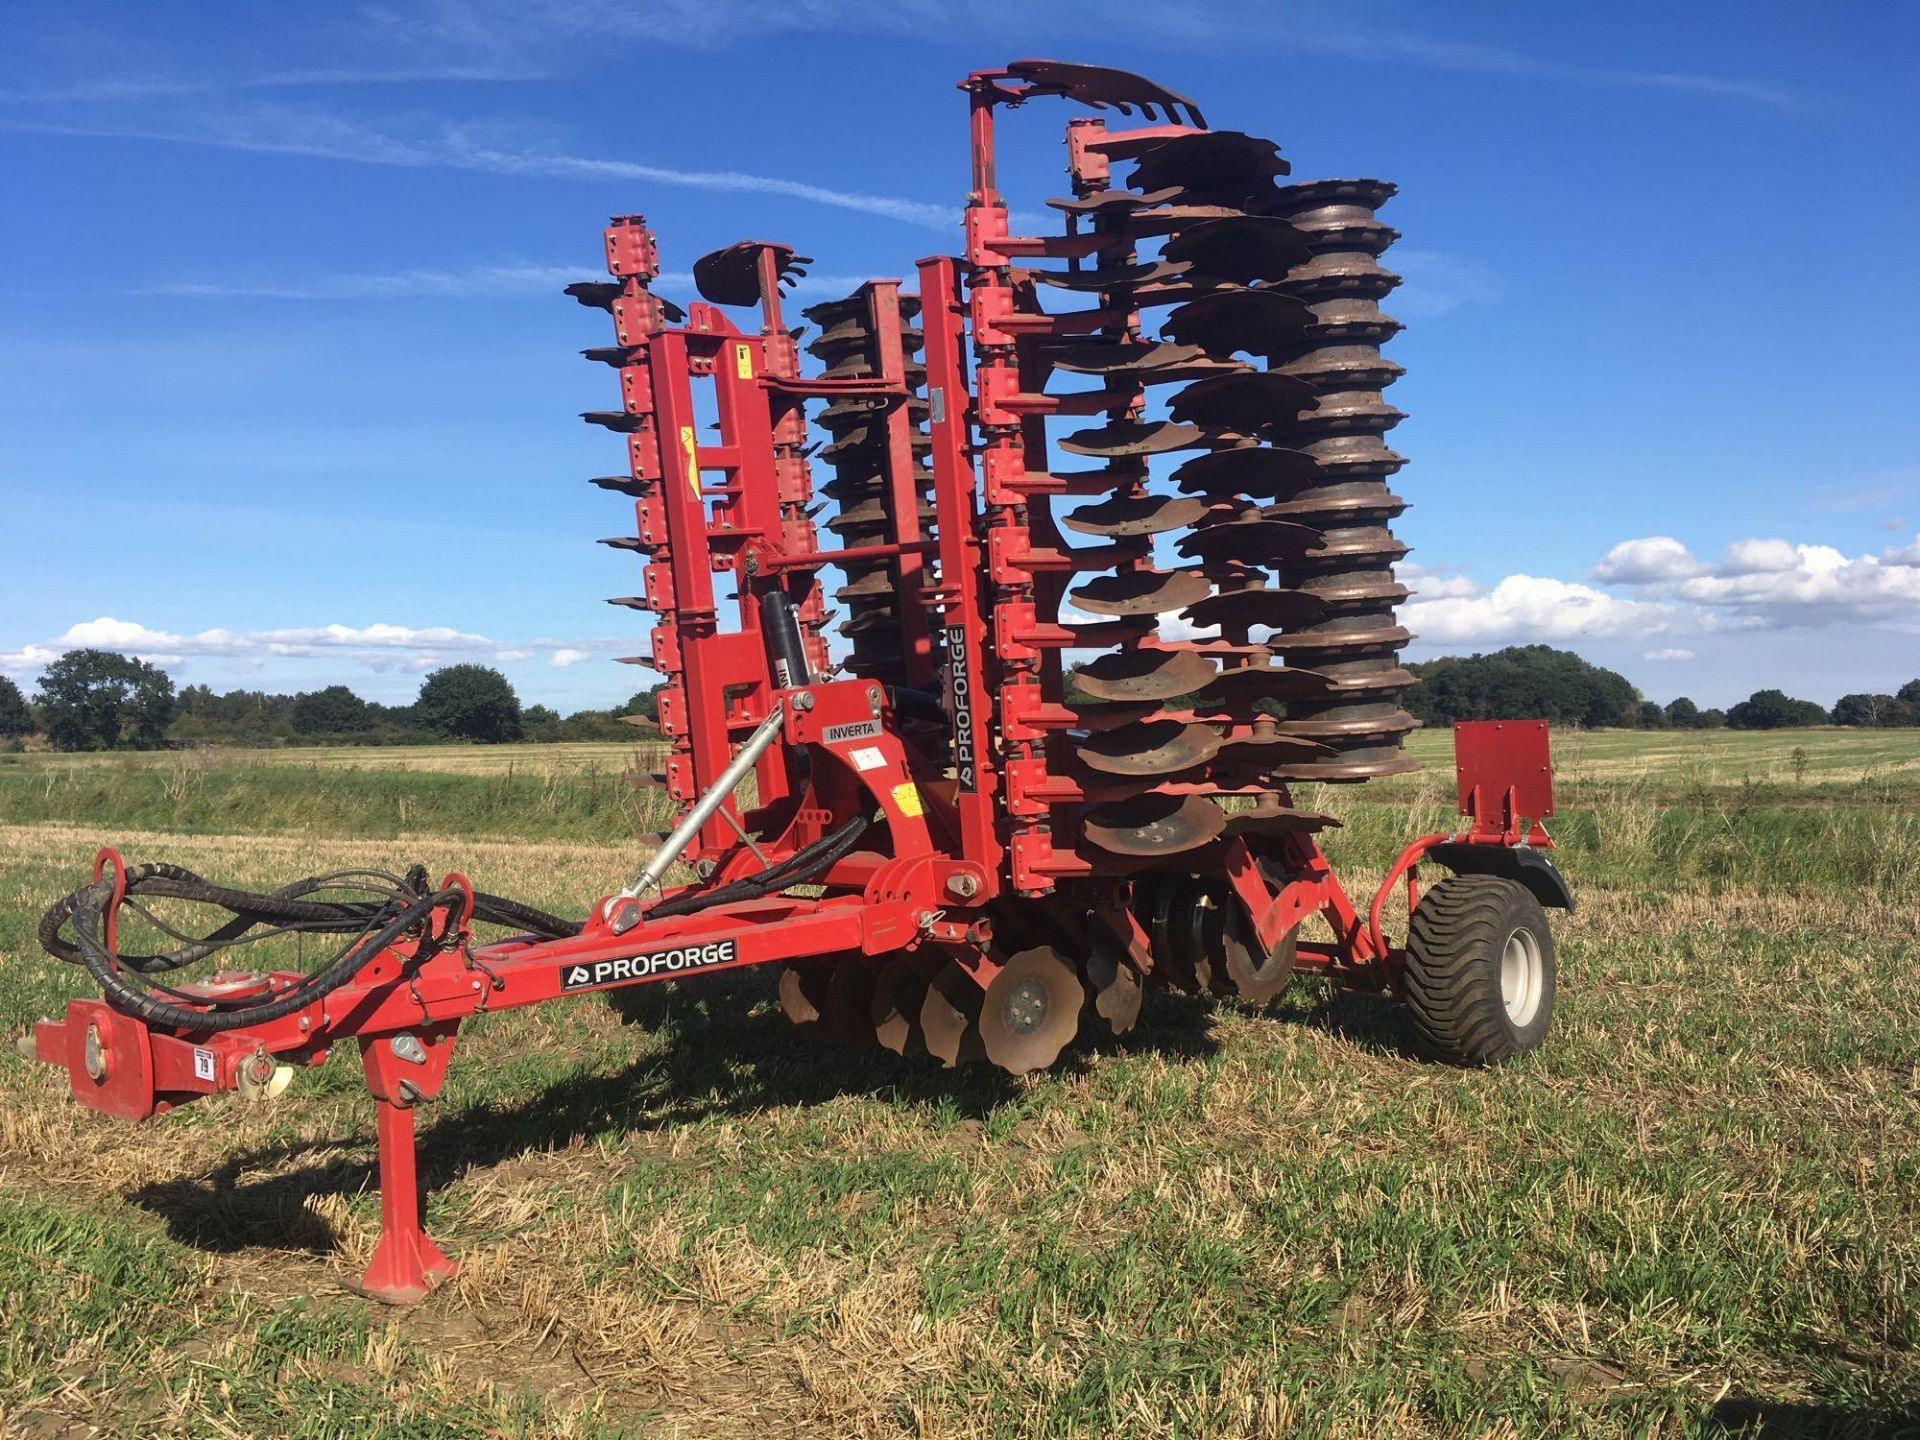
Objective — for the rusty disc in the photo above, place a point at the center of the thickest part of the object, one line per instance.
(1252, 542)
(1114, 985)
(1109, 277)
(1152, 825)
(1140, 592)
(803, 994)
(1226, 165)
(1134, 437)
(1250, 683)
(1154, 896)
(1149, 747)
(1248, 968)
(949, 1016)
(1106, 357)
(1259, 470)
(1248, 401)
(1145, 674)
(1135, 515)
(1031, 1010)
(1270, 817)
(848, 1013)
(1101, 86)
(1241, 610)
(1260, 322)
(1113, 202)
(899, 991)
(1240, 248)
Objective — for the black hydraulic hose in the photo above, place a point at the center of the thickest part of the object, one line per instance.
(796, 869)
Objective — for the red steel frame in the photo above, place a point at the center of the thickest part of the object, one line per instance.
(947, 846)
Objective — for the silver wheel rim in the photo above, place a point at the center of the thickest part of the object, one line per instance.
(1522, 978)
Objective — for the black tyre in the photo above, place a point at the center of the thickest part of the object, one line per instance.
(1479, 978)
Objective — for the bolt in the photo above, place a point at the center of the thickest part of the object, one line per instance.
(803, 701)
(305, 1023)
(924, 919)
(964, 884)
(96, 1054)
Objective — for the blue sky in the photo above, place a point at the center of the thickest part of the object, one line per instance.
(287, 386)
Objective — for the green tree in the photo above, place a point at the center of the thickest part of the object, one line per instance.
(1683, 714)
(98, 700)
(1909, 693)
(1713, 719)
(1651, 717)
(15, 718)
(1522, 682)
(469, 702)
(1774, 710)
(645, 704)
(335, 710)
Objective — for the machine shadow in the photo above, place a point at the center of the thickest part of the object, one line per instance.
(725, 1051)
(1740, 1418)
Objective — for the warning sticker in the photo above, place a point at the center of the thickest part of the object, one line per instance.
(691, 445)
(202, 1063)
(907, 797)
(743, 362)
(866, 758)
(586, 974)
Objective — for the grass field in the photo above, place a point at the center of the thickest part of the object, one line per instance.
(1696, 1211)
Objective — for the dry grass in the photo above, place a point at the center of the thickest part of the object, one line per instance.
(1699, 1203)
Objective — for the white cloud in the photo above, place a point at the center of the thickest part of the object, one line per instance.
(1437, 282)
(1535, 608)
(564, 657)
(1429, 584)
(1674, 653)
(1641, 562)
(378, 646)
(483, 282)
(1773, 584)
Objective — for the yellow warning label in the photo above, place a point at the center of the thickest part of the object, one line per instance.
(907, 797)
(743, 362)
(692, 448)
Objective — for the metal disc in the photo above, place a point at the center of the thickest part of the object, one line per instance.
(1134, 437)
(1196, 915)
(731, 275)
(1145, 674)
(1260, 322)
(1109, 202)
(1155, 901)
(1229, 165)
(1254, 973)
(1106, 357)
(1240, 248)
(803, 994)
(1249, 401)
(949, 1016)
(1263, 682)
(1151, 825)
(1258, 470)
(898, 994)
(1149, 747)
(1115, 987)
(848, 1013)
(1135, 515)
(1108, 277)
(1252, 542)
(1101, 86)
(1031, 1010)
(1241, 610)
(1269, 817)
(1140, 592)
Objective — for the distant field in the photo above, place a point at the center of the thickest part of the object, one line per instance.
(1697, 1207)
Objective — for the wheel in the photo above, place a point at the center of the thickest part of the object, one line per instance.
(1479, 977)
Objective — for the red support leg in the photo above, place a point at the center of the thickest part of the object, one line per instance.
(401, 1070)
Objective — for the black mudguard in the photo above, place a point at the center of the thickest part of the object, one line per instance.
(1523, 863)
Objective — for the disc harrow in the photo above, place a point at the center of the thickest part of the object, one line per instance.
(991, 734)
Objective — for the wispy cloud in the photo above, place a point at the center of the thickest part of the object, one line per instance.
(475, 282)
(162, 87)
(282, 130)
(1437, 282)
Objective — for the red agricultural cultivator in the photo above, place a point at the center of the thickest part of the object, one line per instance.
(950, 838)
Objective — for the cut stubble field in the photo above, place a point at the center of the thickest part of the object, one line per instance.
(1695, 1211)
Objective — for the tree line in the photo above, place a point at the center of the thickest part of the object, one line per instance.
(1541, 683)
(101, 700)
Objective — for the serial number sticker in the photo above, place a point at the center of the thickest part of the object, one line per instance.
(676, 959)
(743, 362)
(907, 797)
(866, 758)
(202, 1063)
(691, 445)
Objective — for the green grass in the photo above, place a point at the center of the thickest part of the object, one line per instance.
(1698, 1204)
